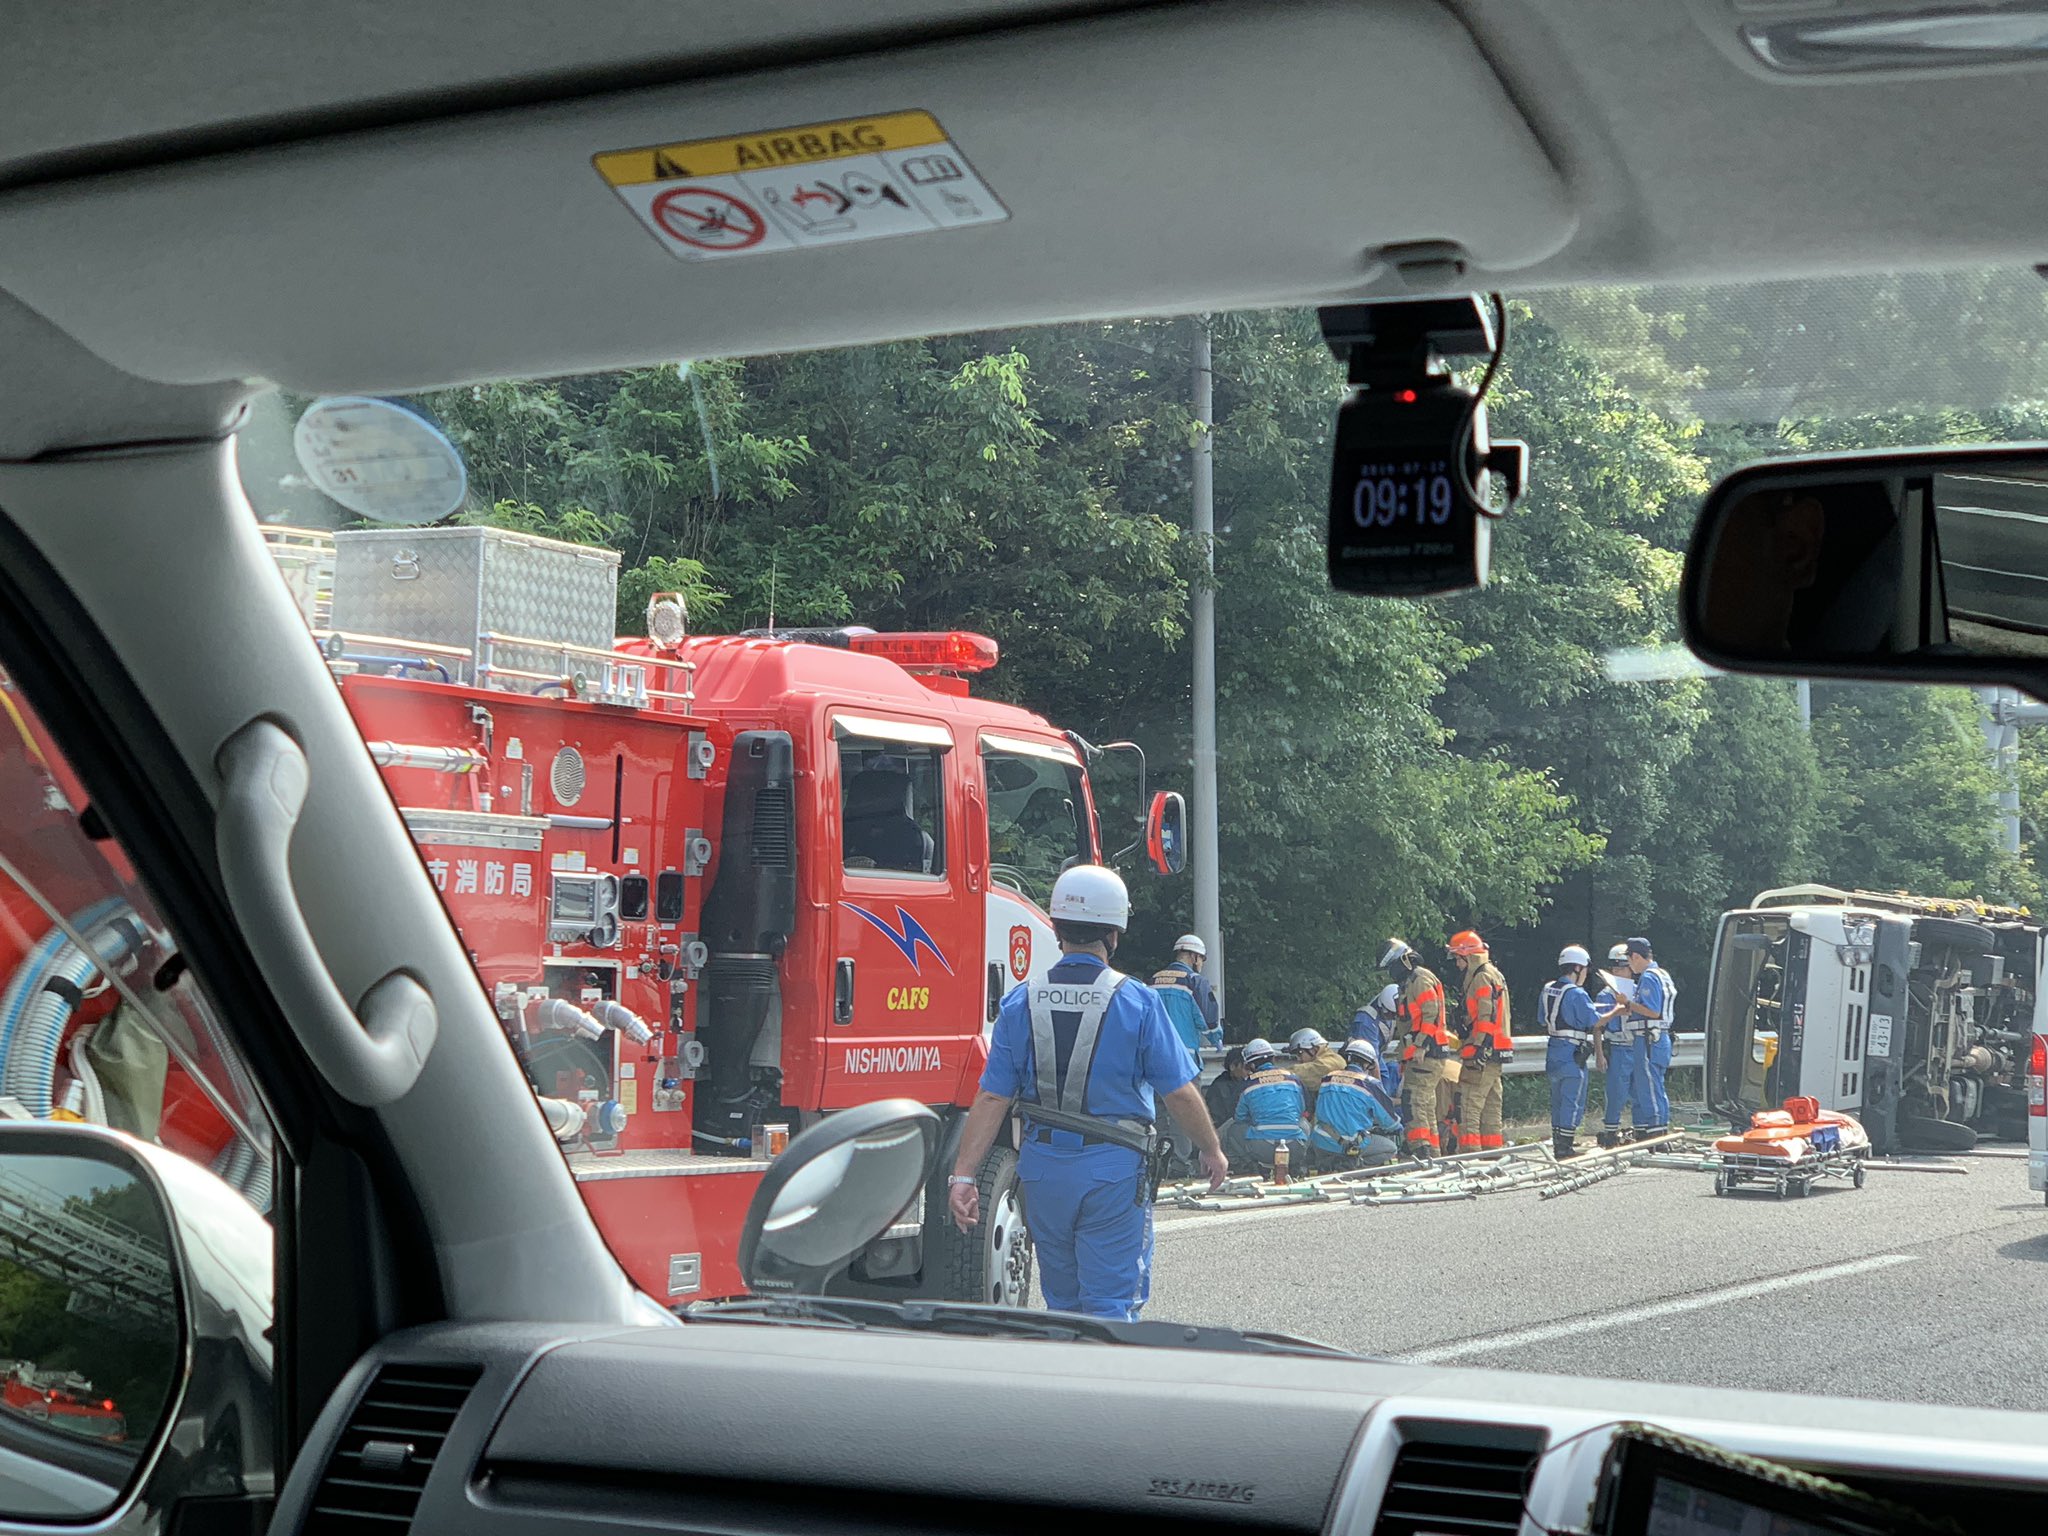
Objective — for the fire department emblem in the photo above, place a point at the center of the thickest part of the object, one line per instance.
(1020, 952)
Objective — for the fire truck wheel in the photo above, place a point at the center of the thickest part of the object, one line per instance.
(991, 1264)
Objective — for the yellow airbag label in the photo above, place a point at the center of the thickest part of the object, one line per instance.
(860, 178)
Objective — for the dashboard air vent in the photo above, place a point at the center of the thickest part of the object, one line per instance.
(387, 1450)
(1442, 1488)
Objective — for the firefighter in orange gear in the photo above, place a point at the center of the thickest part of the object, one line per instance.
(1489, 1041)
(1425, 1045)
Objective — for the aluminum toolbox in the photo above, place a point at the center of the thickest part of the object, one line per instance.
(447, 586)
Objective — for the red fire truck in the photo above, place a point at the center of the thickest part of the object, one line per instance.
(716, 886)
(61, 1400)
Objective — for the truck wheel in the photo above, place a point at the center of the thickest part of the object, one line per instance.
(1952, 933)
(1926, 1134)
(991, 1264)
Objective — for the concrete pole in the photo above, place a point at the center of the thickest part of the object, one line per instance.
(1204, 835)
(2002, 740)
(1804, 692)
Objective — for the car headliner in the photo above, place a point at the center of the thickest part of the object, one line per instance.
(383, 195)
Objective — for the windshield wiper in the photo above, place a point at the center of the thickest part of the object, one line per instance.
(973, 1320)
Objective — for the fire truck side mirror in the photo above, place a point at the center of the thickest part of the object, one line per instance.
(142, 1295)
(837, 1187)
(1166, 833)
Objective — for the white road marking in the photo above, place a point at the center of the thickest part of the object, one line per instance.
(1621, 1319)
(1208, 1221)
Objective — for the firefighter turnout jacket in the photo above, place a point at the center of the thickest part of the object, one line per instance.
(1489, 1035)
(1424, 1016)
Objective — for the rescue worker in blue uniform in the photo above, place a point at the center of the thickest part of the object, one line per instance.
(1638, 998)
(1569, 1020)
(1649, 1008)
(1200, 1020)
(1269, 1111)
(1086, 1057)
(1375, 1022)
(1353, 1125)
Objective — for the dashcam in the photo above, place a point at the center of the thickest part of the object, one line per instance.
(1414, 478)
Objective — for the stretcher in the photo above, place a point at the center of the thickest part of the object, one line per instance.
(1790, 1150)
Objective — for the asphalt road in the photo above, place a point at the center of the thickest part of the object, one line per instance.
(1920, 1287)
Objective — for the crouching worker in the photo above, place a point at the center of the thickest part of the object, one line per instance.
(1354, 1126)
(1268, 1112)
(1087, 1057)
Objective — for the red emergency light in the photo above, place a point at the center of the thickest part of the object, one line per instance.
(939, 651)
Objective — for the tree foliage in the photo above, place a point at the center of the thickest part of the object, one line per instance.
(1384, 767)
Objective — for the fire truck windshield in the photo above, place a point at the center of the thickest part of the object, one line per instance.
(1034, 820)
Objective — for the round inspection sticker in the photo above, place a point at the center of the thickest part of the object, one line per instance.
(380, 459)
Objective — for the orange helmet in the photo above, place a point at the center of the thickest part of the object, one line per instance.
(1467, 943)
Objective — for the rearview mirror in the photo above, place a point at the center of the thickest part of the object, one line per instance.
(835, 1189)
(1166, 833)
(1929, 564)
(135, 1304)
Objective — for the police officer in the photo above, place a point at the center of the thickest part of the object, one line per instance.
(1425, 1045)
(1489, 1041)
(1651, 1007)
(1352, 1123)
(1269, 1111)
(1570, 1022)
(1184, 972)
(1636, 999)
(1086, 1056)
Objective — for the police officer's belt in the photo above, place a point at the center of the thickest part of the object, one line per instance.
(1067, 1109)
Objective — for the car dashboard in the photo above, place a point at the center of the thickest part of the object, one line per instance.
(744, 1428)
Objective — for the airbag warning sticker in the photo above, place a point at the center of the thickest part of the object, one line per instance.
(863, 178)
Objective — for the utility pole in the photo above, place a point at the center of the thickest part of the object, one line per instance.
(1204, 835)
(2004, 713)
(1803, 692)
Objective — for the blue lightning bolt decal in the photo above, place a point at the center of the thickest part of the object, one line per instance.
(907, 934)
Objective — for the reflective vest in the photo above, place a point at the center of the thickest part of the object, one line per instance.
(1670, 1014)
(1550, 1008)
(1067, 1109)
(1488, 1036)
(1422, 1013)
(1345, 1114)
(1271, 1106)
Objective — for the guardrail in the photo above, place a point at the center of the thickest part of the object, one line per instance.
(1688, 1049)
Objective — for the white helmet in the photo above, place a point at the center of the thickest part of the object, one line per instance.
(1306, 1042)
(1361, 1054)
(1618, 955)
(1396, 948)
(1259, 1053)
(1192, 943)
(1389, 999)
(1574, 954)
(1091, 893)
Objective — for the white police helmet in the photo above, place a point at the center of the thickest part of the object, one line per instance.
(1091, 893)
(1573, 954)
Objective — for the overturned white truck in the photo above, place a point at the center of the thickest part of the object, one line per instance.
(1913, 1013)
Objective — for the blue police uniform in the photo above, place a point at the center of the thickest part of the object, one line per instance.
(1368, 1025)
(1351, 1121)
(1627, 1043)
(1087, 1181)
(1657, 1060)
(1567, 1016)
(1269, 1112)
(1205, 1028)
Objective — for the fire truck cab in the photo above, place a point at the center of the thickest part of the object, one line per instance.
(717, 885)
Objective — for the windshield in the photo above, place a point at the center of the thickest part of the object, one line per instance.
(730, 708)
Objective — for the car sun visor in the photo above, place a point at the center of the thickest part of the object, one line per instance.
(1166, 160)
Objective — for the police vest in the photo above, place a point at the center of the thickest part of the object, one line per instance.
(1670, 1013)
(1550, 1012)
(1067, 1109)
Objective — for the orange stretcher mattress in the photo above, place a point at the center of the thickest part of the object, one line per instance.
(1802, 1129)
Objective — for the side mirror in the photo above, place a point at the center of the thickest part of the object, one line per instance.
(1923, 565)
(1166, 833)
(134, 1356)
(836, 1188)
